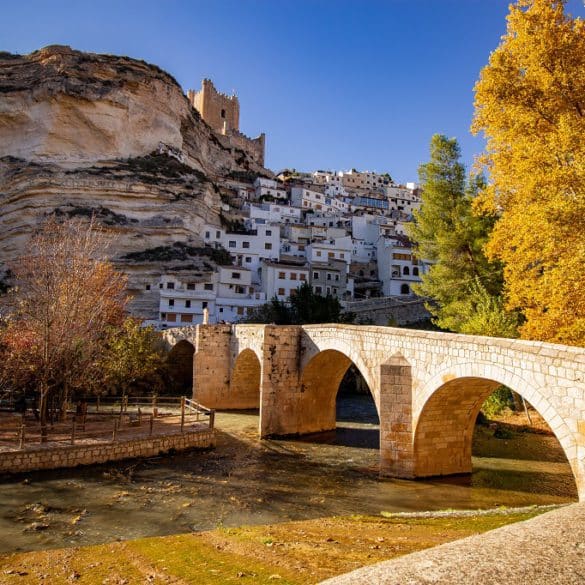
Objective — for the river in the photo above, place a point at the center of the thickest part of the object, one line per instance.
(248, 481)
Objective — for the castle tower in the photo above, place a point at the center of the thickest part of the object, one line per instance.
(219, 110)
(222, 113)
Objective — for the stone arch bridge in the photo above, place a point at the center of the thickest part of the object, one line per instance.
(428, 387)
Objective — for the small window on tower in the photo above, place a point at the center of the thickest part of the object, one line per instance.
(223, 113)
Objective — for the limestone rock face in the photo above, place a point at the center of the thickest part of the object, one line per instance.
(84, 134)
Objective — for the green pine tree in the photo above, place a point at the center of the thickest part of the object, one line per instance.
(463, 287)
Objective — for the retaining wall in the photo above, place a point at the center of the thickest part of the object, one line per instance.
(55, 457)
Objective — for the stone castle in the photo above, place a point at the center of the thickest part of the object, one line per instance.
(222, 113)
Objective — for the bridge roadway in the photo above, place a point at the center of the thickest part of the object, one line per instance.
(428, 387)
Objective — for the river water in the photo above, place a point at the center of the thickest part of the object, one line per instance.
(247, 481)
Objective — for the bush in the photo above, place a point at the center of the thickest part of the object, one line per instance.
(497, 402)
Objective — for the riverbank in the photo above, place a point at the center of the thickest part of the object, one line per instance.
(246, 481)
(291, 553)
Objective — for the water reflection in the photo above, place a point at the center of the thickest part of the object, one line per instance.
(247, 481)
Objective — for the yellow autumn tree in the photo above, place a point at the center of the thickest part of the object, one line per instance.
(530, 105)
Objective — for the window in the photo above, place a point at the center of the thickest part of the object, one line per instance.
(406, 271)
(232, 244)
(248, 259)
(337, 277)
(404, 289)
(204, 306)
(207, 235)
(331, 255)
(303, 277)
(316, 275)
(415, 271)
(268, 232)
(223, 113)
(282, 275)
(318, 290)
(221, 309)
(318, 253)
(190, 286)
(171, 317)
(160, 285)
(148, 287)
(208, 286)
(187, 304)
(187, 318)
(240, 290)
(171, 302)
(163, 315)
(281, 292)
(217, 234)
(293, 292)
(293, 275)
(245, 244)
(329, 276)
(342, 255)
(268, 246)
(236, 275)
(170, 285)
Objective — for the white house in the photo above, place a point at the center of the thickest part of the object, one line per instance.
(249, 248)
(237, 296)
(281, 279)
(183, 300)
(308, 199)
(269, 189)
(275, 213)
(330, 249)
(398, 268)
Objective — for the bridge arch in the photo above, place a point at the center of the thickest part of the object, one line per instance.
(352, 354)
(180, 361)
(447, 408)
(319, 384)
(245, 380)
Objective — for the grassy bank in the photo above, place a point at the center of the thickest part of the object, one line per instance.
(287, 553)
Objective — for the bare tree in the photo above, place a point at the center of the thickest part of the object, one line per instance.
(67, 294)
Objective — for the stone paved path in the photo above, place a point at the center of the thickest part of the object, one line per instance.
(546, 550)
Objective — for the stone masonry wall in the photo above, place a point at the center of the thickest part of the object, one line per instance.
(51, 457)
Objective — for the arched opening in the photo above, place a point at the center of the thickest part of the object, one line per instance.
(406, 271)
(404, 289)
(449, 441)
(180, 367)
(245, 381)
(336, 397)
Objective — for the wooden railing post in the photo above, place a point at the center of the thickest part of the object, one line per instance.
(115, 431)
(182, 413)
(21, 441)
(73, 430)
(211, 419)
(154, 408)
(151, 424)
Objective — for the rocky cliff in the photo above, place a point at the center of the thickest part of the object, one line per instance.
(84, 134)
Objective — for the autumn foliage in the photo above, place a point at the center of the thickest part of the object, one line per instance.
(530, 105)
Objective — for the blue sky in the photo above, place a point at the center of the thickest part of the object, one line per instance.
(334, 84)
